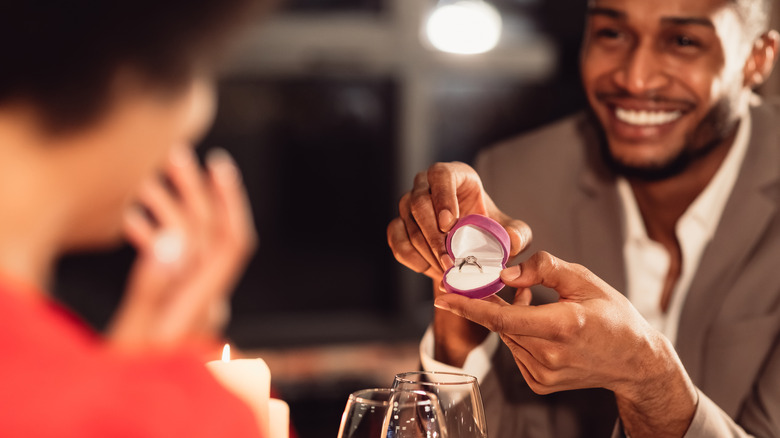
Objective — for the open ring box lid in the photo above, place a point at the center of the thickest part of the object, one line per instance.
(481, 237)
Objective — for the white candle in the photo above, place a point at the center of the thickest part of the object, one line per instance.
(250, 380)
(279, 414)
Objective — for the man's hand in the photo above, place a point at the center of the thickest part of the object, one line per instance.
(591, 338)
(192, 247)
(417, 237)
(442, 194)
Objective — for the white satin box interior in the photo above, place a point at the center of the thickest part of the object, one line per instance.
(479, 246)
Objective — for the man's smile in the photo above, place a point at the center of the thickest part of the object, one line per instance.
(642, 119)
(645, 117)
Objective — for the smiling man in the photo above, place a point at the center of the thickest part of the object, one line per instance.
(667, 189)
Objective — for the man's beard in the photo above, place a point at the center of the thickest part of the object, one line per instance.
(712, 132)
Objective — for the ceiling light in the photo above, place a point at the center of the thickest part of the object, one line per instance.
(464, 27)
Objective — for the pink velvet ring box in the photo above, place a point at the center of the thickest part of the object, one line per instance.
(479, 247)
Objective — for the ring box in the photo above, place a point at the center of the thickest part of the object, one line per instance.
(476, 236)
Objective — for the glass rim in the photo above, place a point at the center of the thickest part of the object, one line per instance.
(358, 397)
(467, 378)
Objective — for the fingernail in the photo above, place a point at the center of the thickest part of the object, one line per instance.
(445, 220)
(441, 304)
(511, 273)
(219, 155)
(222, 164)
(446, 261)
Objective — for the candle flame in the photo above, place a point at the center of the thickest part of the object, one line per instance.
(226, 353)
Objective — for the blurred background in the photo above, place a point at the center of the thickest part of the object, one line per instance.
(330, 107)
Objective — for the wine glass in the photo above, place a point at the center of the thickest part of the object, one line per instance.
(389, 413)
(459, 398)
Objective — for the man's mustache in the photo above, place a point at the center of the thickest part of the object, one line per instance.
(649, 97)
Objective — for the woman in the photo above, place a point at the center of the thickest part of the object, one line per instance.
(100, 103)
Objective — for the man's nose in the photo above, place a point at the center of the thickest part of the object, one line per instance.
(642, 71)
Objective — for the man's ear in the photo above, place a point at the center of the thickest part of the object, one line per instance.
(762, 59)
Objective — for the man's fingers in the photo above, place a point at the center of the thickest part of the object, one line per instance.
(499, 318)
(403, 249)
(496, 300)
(540, 378)
(488, 314)
(569, 280)
(416, 211)
(522, 297)
(525, 362)
(425, 216)
(414, 235)
(519, 234)
(456, 190)
(444, 195)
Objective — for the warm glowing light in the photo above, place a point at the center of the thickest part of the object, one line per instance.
(226, 353)
(465, 27)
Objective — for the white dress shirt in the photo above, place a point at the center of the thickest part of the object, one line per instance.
(646, 261)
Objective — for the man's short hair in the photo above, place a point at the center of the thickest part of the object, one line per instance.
(755, 14)
(62, 56)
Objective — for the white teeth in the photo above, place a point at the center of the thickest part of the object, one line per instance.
(646, 118)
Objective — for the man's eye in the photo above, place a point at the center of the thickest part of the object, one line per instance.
(684, 41)
(608, 33)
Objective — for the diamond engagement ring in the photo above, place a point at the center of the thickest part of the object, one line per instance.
(168, 246)
(470, 260)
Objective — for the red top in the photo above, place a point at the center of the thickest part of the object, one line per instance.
(59, 379)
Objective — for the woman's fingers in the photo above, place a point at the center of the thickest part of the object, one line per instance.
(139, 229)
(162, 204)
(190, 185)
(231, 203)
(210, 213)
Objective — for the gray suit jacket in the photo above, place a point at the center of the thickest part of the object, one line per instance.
(555, 180)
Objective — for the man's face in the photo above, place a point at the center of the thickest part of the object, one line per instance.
(664, 78)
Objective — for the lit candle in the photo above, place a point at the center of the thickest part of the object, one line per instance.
(279, 414)
(250, 380)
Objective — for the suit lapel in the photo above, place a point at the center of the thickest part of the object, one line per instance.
(598, 228)
(745, 218)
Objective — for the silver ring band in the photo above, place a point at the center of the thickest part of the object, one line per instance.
(469, 260)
